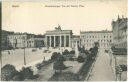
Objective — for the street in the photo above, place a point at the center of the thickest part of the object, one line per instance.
(102, 70)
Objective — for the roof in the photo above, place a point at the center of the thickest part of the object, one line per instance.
(39, 36)
(58, 30)
(75, 36)
(103, 31)
(120, 21)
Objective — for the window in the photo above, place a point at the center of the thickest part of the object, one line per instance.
(104, 36)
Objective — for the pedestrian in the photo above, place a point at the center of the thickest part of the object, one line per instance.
(44, 58)
(8, 52)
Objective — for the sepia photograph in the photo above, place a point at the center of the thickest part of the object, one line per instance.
(63, 40)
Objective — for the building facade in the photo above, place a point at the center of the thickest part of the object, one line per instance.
(104, 38)
(21, 40)
(120, 32)
(39, 41)
(58, 38)
(75, 41)
(4, 39)
(119, 48)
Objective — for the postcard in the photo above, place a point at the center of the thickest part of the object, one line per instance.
(63, 40)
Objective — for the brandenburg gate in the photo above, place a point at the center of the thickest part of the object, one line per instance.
(58, 38)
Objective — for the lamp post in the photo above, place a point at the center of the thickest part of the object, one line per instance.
(1, 58)
(24, 54)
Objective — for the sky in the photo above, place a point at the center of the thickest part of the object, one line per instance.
(39, 17)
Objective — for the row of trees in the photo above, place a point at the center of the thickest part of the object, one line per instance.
(90, 54)
(66, 52)
(59, 59)
(93, 53)
(58, 62)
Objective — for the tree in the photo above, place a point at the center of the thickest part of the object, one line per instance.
(80, 59)
(113, 47)
(93, 53)
(8, 72)
(72, 52)
(58, 64)
(82, 50)
(86, 52)
(95, 50)
(66, 52)
(91, 49)
(17, 77)
(26, 73)
(61, 58)
(96, 44)
(55, 55)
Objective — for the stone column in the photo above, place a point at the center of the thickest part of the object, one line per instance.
(65, 41)
(54, 41)
(49, 41)
(60, 41)
(46, 41)
(69, 41)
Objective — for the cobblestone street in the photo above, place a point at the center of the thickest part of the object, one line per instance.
(102, 70)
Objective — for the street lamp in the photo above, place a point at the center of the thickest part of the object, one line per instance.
(1, 58)
(24, 54)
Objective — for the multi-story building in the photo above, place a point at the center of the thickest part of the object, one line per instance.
(39, 40)
(119, 28)
(104, 38)
(58, 38)
(21, 40)
(75, 41)
(4, 41)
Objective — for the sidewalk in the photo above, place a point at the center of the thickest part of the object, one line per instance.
(102, 70)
